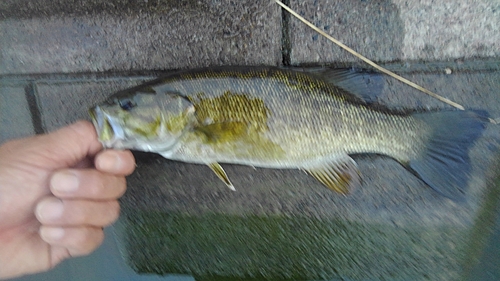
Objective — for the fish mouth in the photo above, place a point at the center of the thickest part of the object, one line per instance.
(114, 132)
(104, 128)
(93, 117)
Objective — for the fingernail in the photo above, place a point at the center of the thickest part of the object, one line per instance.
(51, 234)
(49, 210)
(108, 161)
(65, 182)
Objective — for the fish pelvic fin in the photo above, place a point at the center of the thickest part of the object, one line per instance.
(444, 164)
(219, 171)
(339, 174)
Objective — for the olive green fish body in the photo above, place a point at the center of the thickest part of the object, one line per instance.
(268, 121)
(283, 118)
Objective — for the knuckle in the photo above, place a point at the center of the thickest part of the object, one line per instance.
(107, 186)
(87, 240)
(80, 237)
(97, 188)
(79, 214)
(82, 129)
(11, 146)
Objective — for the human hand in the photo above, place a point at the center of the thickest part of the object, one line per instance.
(57, 192)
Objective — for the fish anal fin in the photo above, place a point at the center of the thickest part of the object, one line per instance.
(340, 174)
(219, 171)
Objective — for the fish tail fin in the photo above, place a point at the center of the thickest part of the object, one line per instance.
(444, 164)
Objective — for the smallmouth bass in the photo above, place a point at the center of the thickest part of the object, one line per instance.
(288, 119)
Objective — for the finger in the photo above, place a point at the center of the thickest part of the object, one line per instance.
(87, 184)
(56, 212)
(118, 162)
(78, 241)
(65, 147)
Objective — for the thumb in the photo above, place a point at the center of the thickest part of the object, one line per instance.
(65, 147)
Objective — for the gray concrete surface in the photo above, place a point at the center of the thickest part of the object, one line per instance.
(15, 116)
(63, 102)
(66, 36)
(405, 225)
(62, 36)
(396, 30)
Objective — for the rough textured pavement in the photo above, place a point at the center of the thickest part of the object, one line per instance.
(57, 58)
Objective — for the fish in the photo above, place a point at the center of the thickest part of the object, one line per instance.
(313, 120)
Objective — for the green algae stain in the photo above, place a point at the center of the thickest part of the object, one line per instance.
(214, 246)
(484, 226)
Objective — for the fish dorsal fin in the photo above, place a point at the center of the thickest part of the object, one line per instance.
(363, 84)
(219, 171)
(340, 174)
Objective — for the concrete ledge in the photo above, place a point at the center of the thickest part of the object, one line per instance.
(62, 36)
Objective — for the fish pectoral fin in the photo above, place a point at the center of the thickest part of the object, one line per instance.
(340, 174)
(219, 171)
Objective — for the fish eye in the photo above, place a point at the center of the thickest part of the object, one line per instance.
(126, 104)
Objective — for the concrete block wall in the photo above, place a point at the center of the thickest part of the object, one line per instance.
(397, 30)
(57, 58)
